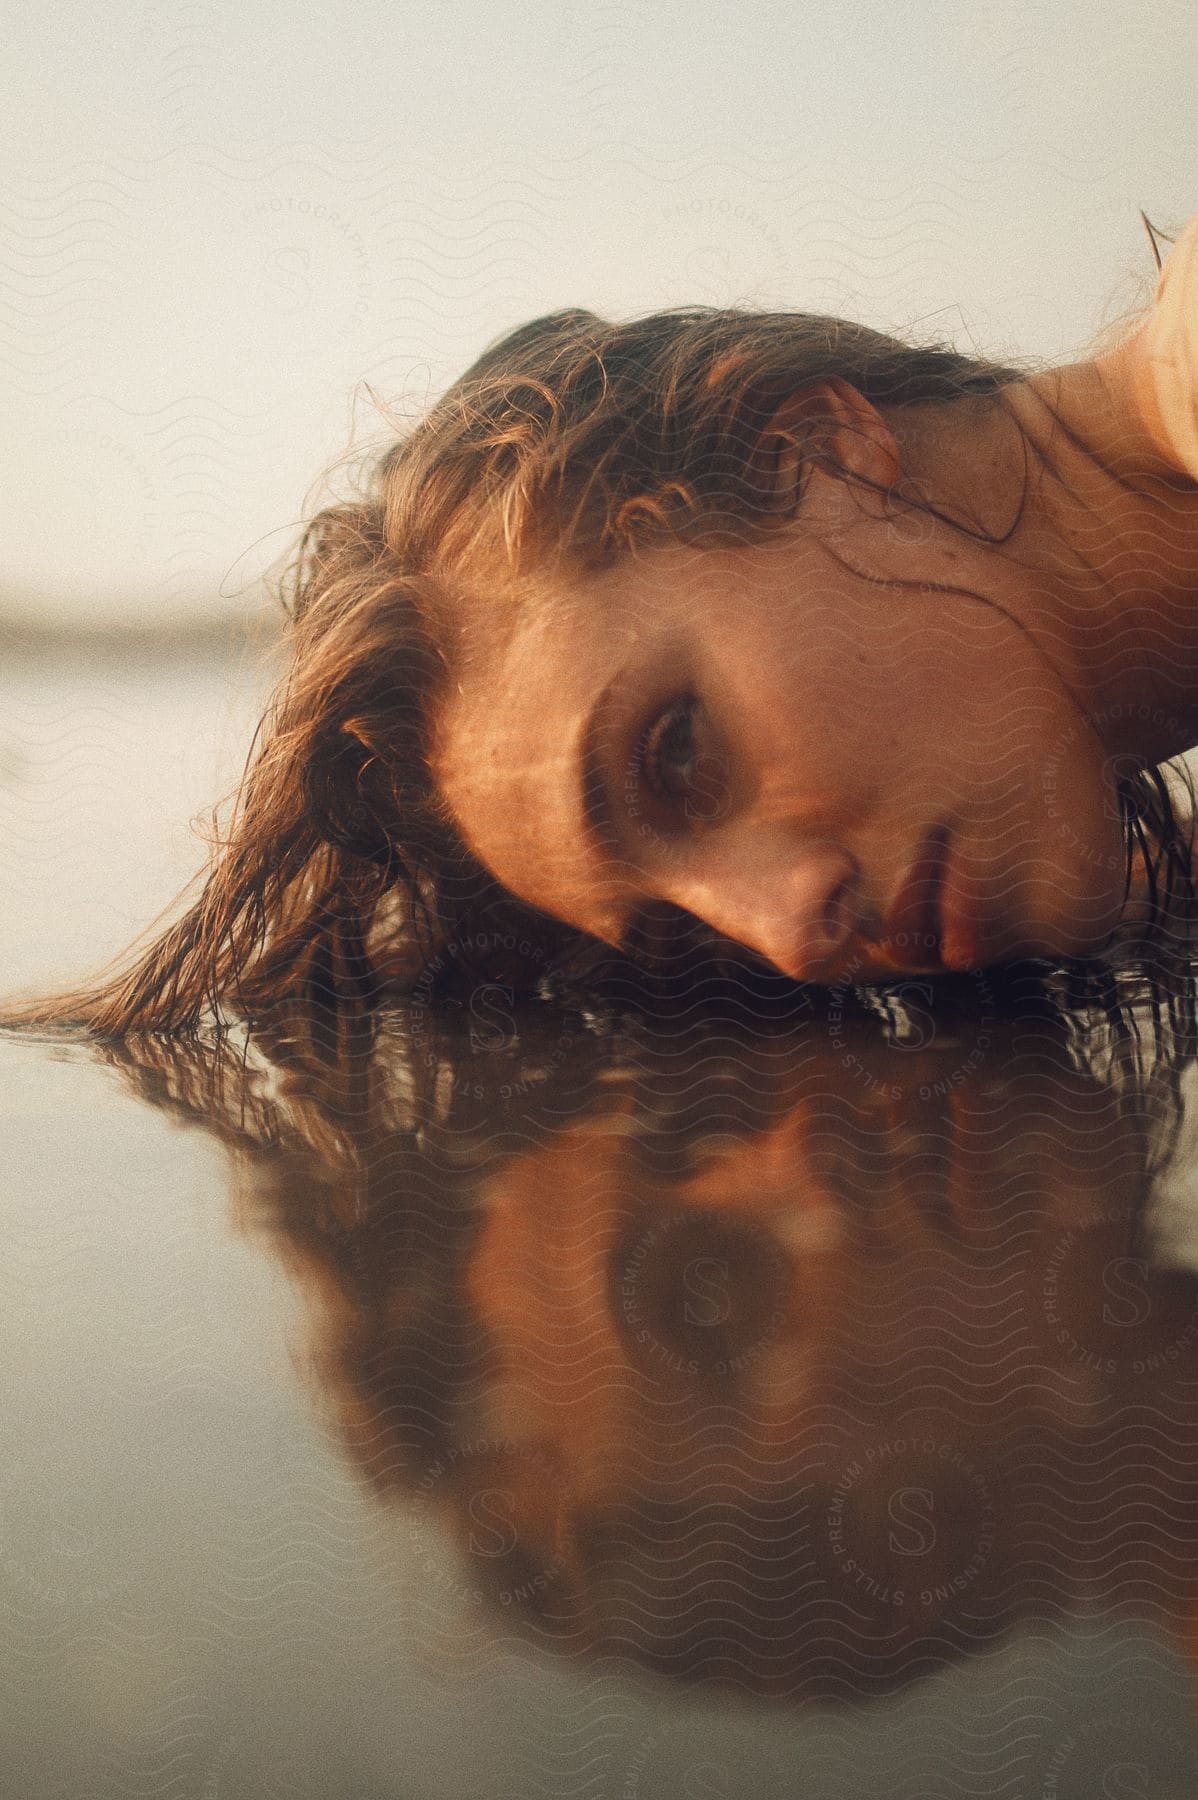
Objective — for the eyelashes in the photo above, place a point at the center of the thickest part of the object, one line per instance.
(666, 753)
(682, 767)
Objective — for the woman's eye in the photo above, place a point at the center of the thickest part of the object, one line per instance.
(682, 767)
(668, 755)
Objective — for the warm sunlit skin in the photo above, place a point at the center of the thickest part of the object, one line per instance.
(897, 744)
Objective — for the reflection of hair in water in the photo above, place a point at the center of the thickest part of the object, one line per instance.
(815, 1548)
(568, 442)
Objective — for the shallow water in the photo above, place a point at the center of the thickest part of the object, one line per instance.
(521, 1401)
(740, 1408)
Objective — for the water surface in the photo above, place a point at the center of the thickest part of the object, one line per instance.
(738, 1405)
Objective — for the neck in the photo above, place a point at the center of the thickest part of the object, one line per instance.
(1104, 558)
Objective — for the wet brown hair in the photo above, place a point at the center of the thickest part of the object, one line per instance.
(569, 441)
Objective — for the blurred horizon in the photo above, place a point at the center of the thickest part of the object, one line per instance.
(42, 625)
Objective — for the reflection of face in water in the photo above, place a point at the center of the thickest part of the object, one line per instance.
(829, 1362)
(759, 1373)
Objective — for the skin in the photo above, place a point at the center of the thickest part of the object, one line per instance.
(905, 740)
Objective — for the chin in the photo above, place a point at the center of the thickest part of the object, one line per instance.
(1072, 910)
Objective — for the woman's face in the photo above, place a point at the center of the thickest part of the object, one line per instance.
(842, 773)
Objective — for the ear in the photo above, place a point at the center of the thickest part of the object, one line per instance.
(831, 427)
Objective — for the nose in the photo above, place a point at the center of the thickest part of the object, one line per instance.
(798, 905)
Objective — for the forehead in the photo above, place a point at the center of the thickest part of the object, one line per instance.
(510, 744)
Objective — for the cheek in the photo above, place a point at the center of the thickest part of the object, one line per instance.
(1073, 795)
(916, 712)
(1076, 858)
(916, 678)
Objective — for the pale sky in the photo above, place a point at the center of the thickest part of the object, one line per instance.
(220, 224)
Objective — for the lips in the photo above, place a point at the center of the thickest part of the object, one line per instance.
(913, 924)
